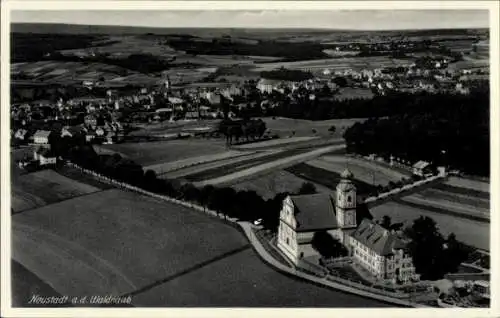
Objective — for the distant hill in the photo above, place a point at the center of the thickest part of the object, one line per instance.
(213, 32)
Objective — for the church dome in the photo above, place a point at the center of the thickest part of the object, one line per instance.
(347, 174)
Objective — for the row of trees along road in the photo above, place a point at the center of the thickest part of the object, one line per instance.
(432, 257)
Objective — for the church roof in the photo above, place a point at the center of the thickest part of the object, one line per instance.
(346, 174)
(377, 238)
(314, 212)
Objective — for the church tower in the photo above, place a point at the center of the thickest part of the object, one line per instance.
(345, 204)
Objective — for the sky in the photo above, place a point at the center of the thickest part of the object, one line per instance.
(326, 19)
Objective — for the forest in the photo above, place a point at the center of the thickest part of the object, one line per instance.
(445, 129)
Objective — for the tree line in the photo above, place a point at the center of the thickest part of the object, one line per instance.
(245, 205)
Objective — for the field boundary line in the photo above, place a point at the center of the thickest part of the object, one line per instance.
(59, 201)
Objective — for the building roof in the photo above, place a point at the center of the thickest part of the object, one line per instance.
(377, 238)
(42, 133)
(175, 100)
(421, 164)
(314, 212)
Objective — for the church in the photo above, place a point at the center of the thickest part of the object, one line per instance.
(371, 246)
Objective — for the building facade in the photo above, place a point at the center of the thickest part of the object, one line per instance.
(380, 252)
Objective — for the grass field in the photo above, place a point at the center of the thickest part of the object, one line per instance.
(107, 248)
(242, 280)
(180, 173)
(468, 184)
(150, 153)
(285, 126)
(25, 284)
(324, 177)
(192, 161)
(275, 142)
(275, 182)
(367, 172)
(61, 72)
(471, 232)
(44, 187)
(137, 246)
(356, 63)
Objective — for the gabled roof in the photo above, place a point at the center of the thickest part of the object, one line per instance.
(377, 238)
(421, 164)
(314, 212)
(42, 133)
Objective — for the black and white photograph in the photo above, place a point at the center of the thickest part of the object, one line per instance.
(248, 158)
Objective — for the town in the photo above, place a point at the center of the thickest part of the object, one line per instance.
(311, 168)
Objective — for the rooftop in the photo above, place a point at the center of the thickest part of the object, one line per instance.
(377, 238)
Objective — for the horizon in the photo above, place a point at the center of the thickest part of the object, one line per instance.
(352, 20)
(250, 28)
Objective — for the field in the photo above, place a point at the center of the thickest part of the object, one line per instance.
(326, 178)
(248, 169)
(110, 258)
(25, 284)
(167, 127)
(40, 188)
(276, 182)
(195, 169)
(242, 280)
(367, 172)
(468, 184)
(458, 203)
(471, 232)
(137, 246)
(275, 142)
(150, 153)
(192, 161)
(303, 128)
(337, 64)
(66, 72)
(127, 45)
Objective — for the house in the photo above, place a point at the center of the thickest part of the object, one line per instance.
(20, 134)
(382, 253)
(338, 213)
(422, 168)
(100, 131)
(45, 156)
(482, 287)
(266, 85)
(41, 137)
(73, 131)
(90, 120)
(110, 138)
(90, 136)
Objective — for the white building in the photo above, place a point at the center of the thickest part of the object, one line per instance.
(379, 251)
(382, 253)
(41, 137)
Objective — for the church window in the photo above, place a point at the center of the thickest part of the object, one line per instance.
(349, 199)
(287, 241)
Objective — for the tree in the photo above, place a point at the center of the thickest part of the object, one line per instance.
(307, 188)
(386, 222)
(327, 246)
(426, 248)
